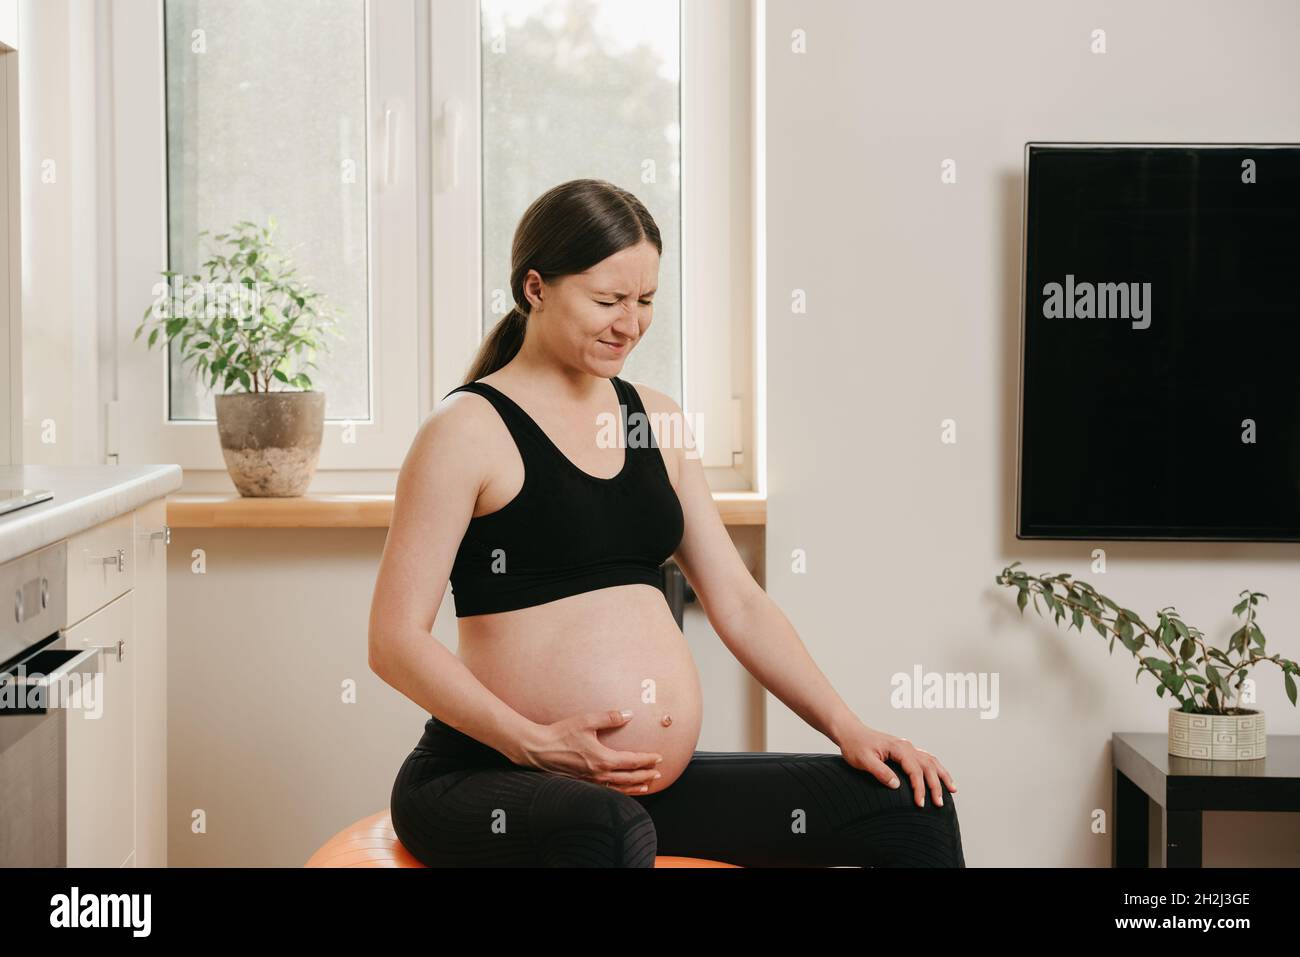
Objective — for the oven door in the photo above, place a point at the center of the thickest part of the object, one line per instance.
(33, 755)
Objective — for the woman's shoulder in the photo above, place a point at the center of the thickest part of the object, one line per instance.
(457, 420)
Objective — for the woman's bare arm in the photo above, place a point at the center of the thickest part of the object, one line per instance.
(437, 489)
(746, 619)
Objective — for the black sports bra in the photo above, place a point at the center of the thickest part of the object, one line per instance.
(568, 531)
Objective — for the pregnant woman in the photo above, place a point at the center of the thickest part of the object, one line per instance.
(549, 491)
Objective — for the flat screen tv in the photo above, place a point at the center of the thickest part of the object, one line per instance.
(1160, 342)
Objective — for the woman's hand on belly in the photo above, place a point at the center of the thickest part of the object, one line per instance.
(612, 649)
(571, 747)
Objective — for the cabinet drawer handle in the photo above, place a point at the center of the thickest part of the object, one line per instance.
(118, 559)
(119, 646)
(165, 533)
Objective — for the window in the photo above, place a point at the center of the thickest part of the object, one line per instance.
(576, 89)
(263, 130)
(397, 150)
(657, 97)
(306, 111)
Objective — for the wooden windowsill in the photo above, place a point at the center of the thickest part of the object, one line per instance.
(359, 510)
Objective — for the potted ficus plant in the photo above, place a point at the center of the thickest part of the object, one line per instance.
(1210, 720)
(252, 328)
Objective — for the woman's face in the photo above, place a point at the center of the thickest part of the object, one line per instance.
(593, 320)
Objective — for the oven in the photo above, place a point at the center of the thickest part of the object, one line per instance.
(35, 660)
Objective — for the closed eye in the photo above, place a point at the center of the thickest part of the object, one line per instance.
(644, 302)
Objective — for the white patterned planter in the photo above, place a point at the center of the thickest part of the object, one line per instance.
(1218, 737)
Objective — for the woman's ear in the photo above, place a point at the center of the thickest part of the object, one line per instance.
(534, 287)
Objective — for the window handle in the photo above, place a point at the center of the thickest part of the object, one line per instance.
(390, 147)
(451, 144)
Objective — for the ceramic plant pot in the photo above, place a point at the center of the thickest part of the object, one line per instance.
(271, 440)
(1216, 737)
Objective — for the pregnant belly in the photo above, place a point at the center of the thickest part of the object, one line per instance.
(614, 648)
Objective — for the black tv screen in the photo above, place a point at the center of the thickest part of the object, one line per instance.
(1160, 365)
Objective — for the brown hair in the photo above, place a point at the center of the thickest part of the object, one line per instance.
(567, 230)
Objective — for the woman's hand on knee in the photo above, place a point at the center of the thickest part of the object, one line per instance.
(868, 750)
(571, 747)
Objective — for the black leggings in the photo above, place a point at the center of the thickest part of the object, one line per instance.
(459, 803)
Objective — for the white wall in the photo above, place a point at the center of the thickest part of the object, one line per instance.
(912, 318)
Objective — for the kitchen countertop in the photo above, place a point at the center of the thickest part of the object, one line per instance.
(84, 496)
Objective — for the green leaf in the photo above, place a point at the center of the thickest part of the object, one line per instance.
(1290, 687)
(1216, 679)
(1134, 617)
(1086, 600)
(1157, 665)
(1240, 638)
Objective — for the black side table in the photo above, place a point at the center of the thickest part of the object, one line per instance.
(1145, 771)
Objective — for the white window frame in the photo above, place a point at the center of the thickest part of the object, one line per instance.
(138, 427)
(11, 365)
(718, 254)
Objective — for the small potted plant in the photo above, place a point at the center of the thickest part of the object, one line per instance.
(253, 328)
(1210, 721)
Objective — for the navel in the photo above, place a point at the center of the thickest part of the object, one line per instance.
(666, 720)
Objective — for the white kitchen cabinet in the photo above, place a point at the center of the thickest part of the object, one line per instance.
(101, 743)
(117, 762)
(101, 565)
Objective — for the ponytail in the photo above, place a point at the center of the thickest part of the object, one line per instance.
(501, 345)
